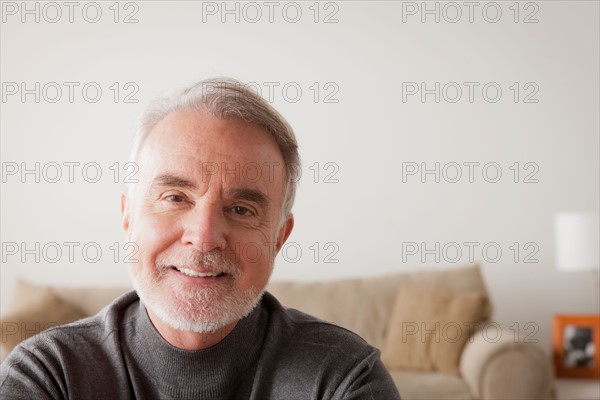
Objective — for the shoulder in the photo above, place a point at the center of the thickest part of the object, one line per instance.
(96, 329)
(330, 360)
(41, 360)
(311, 341)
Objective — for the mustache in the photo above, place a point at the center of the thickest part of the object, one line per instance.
(214, 261)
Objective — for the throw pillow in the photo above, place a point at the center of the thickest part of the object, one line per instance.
(429, 328)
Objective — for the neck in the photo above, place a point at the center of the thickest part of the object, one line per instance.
(188, 340)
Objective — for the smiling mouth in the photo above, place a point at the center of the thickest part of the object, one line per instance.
(196, 274)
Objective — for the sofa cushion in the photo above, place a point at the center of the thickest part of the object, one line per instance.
(365, 305)
(460, 279)
(361, 305)
(429, 328)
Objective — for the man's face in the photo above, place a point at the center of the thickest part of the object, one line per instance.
(205, 217)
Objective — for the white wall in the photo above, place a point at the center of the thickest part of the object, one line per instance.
(367, 134)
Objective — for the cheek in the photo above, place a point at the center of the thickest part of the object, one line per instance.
(254, 252)
(153, 234)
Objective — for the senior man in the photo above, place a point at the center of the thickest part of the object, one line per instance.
(210, 211)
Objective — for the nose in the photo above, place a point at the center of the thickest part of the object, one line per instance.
(205, 228)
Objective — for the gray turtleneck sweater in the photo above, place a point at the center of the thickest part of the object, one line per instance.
(273, 353)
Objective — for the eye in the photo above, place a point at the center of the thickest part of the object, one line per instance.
(241, 211)
(174, 198)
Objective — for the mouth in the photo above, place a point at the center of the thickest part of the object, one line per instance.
(197, 274)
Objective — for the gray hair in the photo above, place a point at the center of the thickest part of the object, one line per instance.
(226, 98)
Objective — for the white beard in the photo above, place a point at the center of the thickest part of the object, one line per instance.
(198, 309)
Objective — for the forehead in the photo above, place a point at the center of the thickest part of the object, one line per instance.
(201, 147)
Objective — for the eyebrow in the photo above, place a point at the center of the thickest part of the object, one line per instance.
(253, 195)
(173, 180)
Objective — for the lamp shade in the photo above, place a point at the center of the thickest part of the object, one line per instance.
(576, 241)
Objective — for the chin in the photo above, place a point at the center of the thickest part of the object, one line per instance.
(194, 309)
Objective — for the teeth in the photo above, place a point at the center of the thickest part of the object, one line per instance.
(193, 273)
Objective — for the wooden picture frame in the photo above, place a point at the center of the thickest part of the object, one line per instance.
(576, 346)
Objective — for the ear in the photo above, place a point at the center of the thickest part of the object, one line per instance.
(285, 231)
(125, 215)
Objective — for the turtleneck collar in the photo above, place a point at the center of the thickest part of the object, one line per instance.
(209, 373)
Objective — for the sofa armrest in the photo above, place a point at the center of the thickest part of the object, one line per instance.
(505, 369)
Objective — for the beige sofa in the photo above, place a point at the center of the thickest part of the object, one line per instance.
(488, 368)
